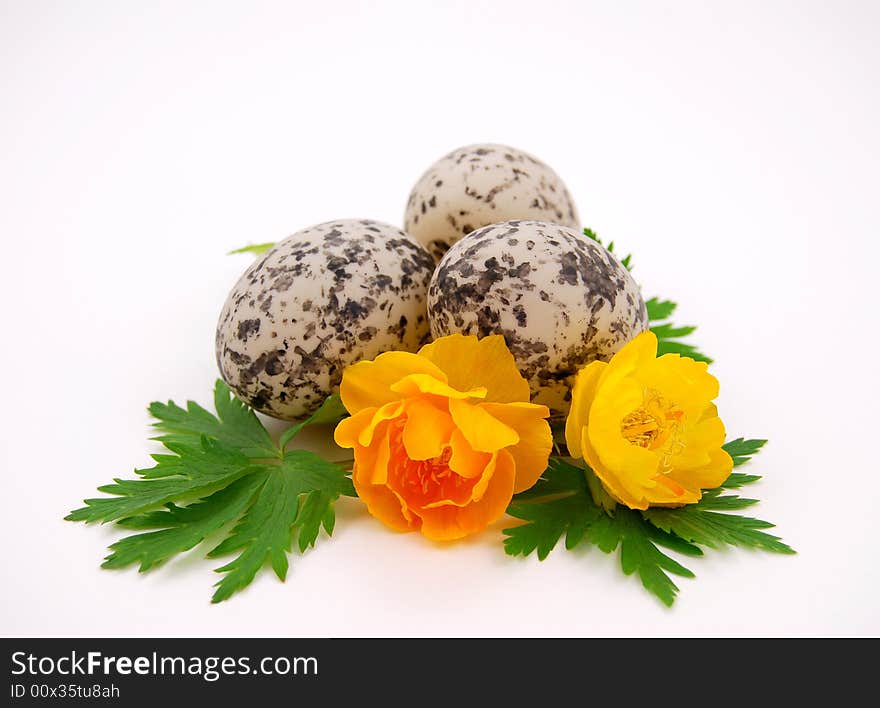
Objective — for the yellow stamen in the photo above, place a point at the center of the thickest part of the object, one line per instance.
(654, 424)
(640, 427)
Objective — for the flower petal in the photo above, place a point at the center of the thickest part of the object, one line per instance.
(414, 384)
(609, 481)
(384, 505)
(668, 492)
(389, 411)
(349, 429)
(465, 493)
(636, 353)
(470, 362)
(699, 442)
(531, 453)
(484, 432)
(709, 476)
(681, 379)
(426, 431)
(465, 461)
(371, 463)
(446, 523)
(612, 403)
(368, 383)
(582, 394)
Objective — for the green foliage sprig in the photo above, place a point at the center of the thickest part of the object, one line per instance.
(222, 473)
(568, 502)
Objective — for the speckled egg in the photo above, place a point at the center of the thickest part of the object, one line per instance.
(479, 185)
(560, 299)
(316, 302)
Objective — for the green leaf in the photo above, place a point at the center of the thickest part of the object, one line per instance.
(181, 528)
(742, 450)
(561, 478)
(330, 412)
(659, 309)
(666, 346)
(712, 499)
(256, 249)
(737, 480)
(557, 504)
(669, 335)
(294, 499)
(639, 554)
(546, 522)
(695, 523)
(564, 505)
(667, 331)
(601, 497)
(702, 523)
(235, 425)
(190, 473)
(220, 468)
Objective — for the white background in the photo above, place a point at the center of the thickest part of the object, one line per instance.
(733, 147)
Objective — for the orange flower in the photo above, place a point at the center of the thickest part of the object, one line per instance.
(444, 438)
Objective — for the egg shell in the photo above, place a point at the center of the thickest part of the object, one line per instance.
(479, 185)
(316, 302)
(559, 298)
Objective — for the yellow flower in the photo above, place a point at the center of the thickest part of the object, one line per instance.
(648, 427)
(444, 438)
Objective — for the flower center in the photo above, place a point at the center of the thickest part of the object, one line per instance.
(423, 481)
(654, 423)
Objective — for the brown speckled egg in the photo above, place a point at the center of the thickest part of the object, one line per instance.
(479, 185)
(560, 299)
(316, 302)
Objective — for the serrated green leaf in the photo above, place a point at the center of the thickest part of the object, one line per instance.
(330, 412)
(235, 425)
(742, 450)
(329, 520)
(219, 468)
(672, 542)
(659, 309)
(638, 554)
(256, 248)
(264, 533)
(667, 346)
(190, 474)
(313, 508)
(601, 497)
(725, 503)
(667, 331)
(715, 529)
(181, 528)
(560, 478)
(546, 523)
(668, 334)
(294, 501)
(604, 534)
(577, 529)
(564, 506)
(737, 480)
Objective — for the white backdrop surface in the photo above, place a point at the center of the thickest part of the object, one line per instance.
(733, 147)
